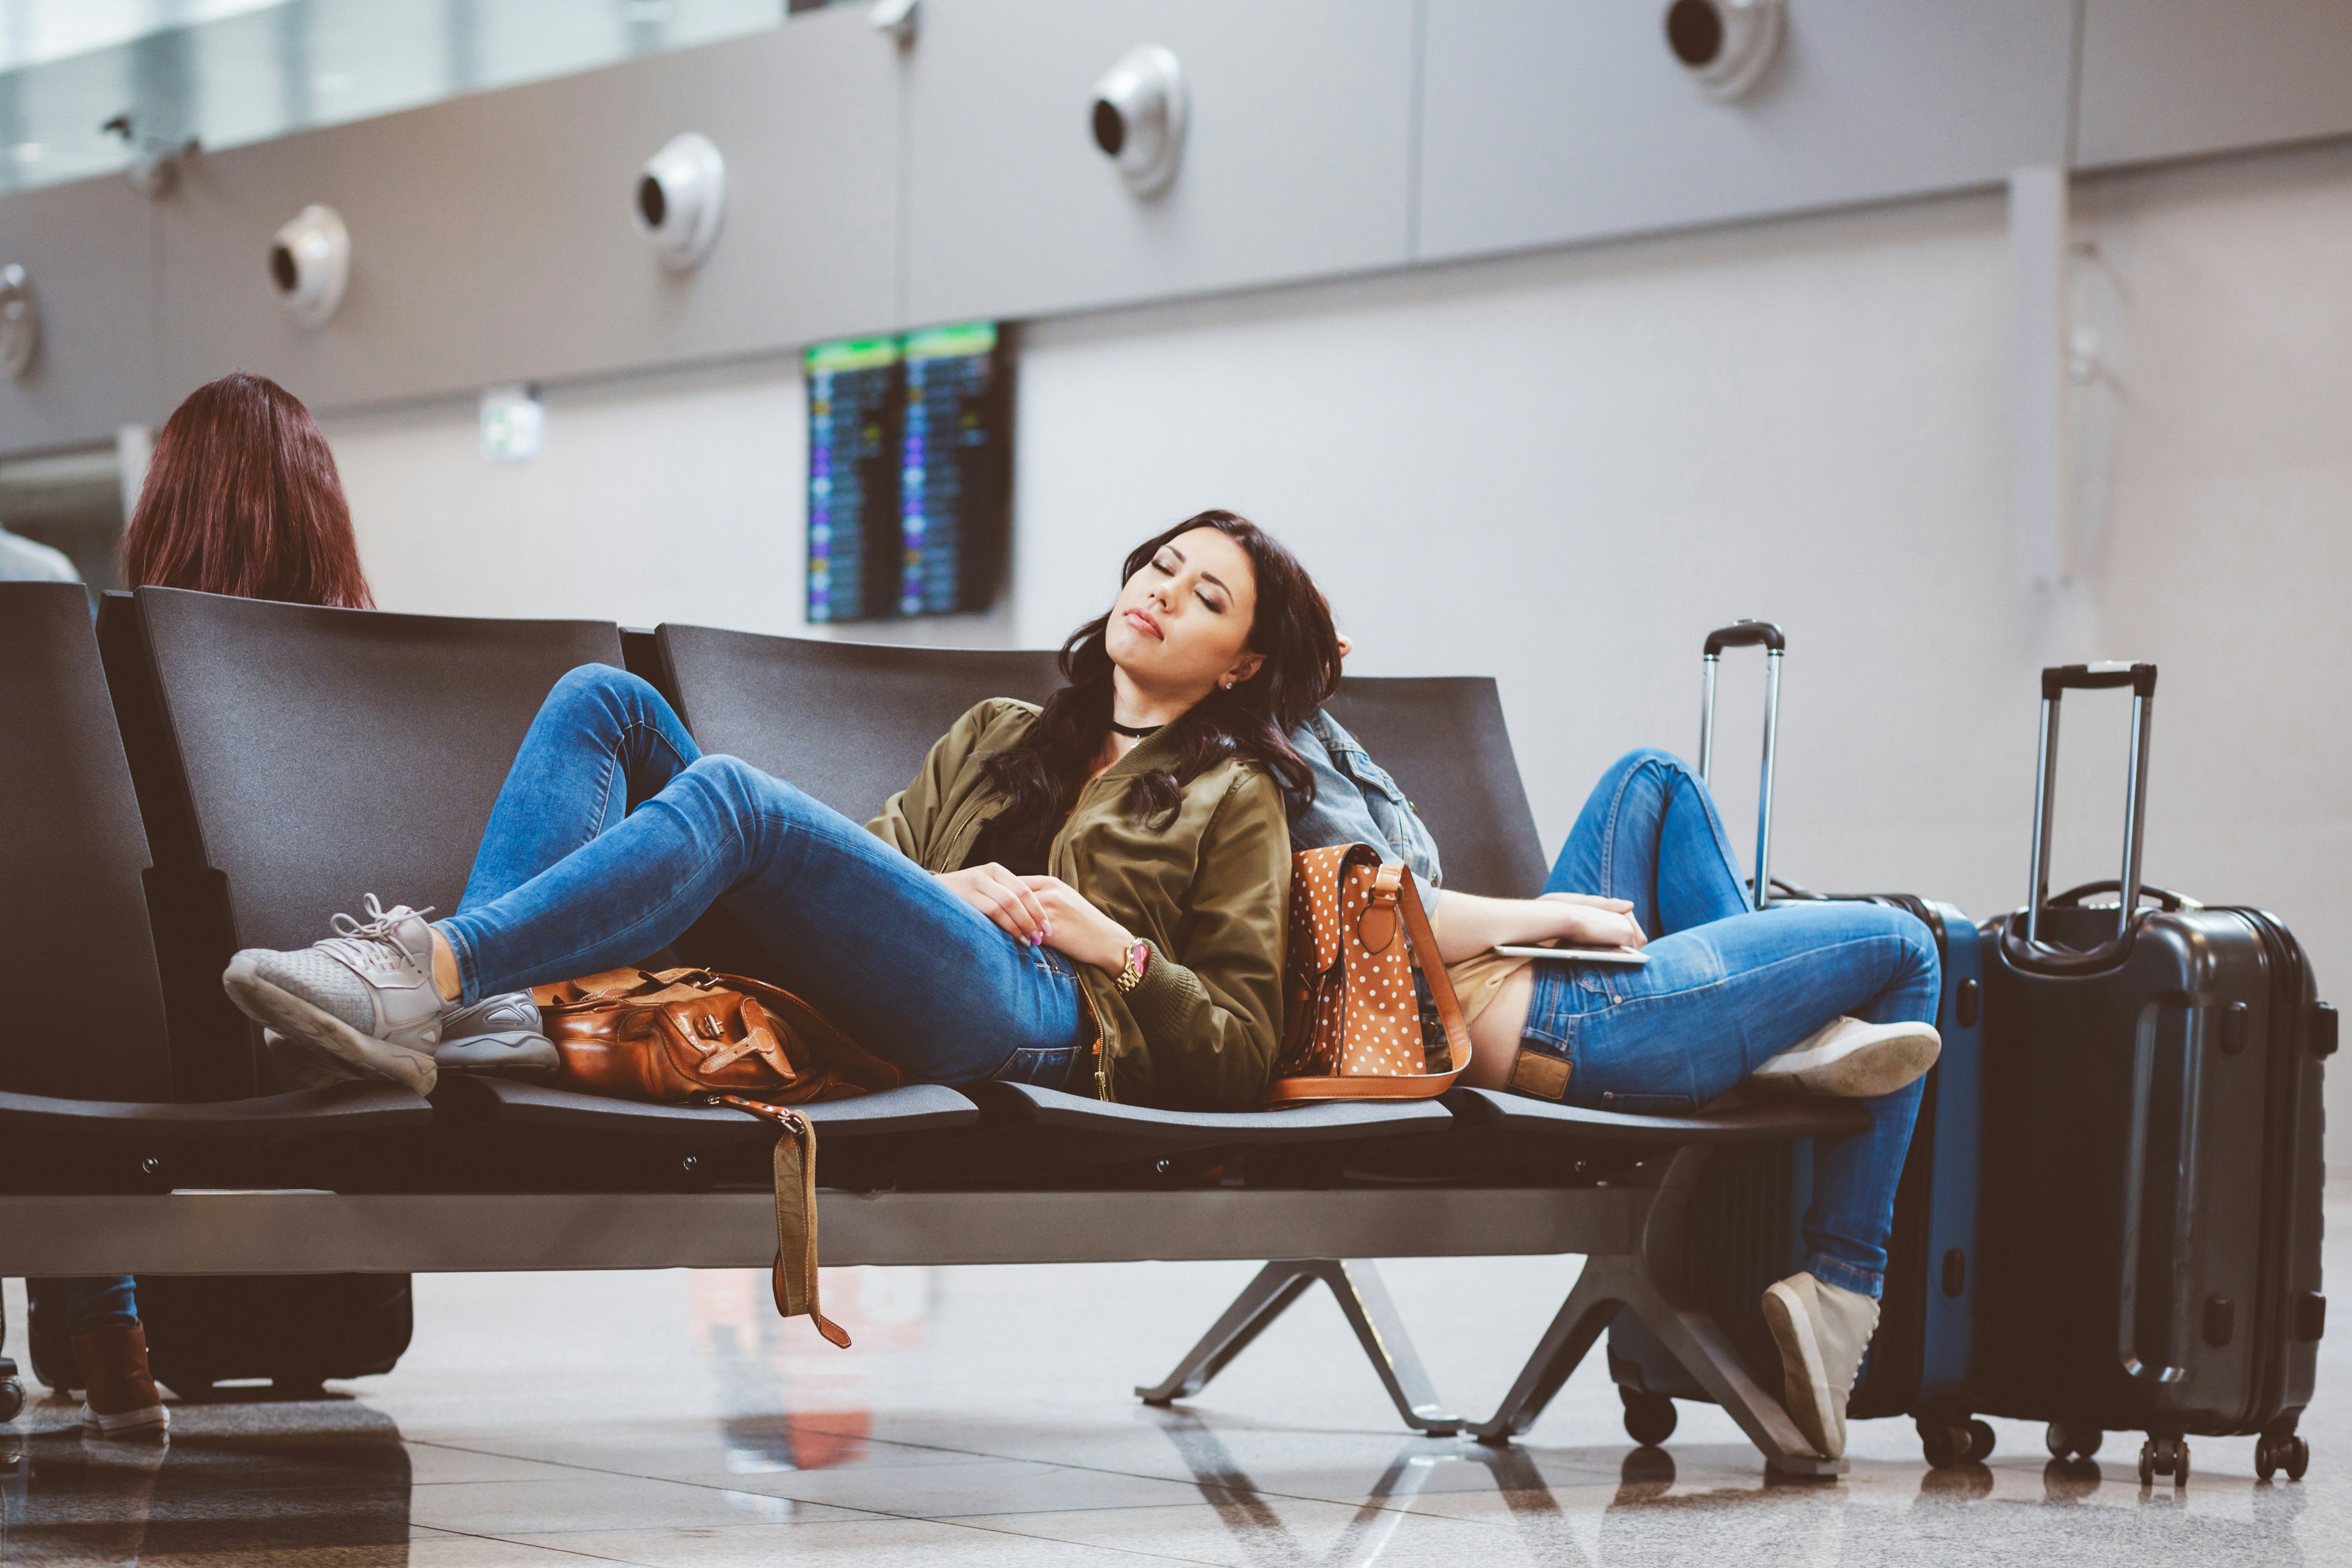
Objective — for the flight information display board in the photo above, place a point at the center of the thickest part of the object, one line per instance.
(909, 474)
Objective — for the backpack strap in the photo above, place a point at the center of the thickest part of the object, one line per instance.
(795, 1274)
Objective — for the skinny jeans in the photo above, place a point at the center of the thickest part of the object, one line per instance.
(1727, 986)
(613, 833)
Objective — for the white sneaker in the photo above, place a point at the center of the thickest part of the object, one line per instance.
(152, 1419)
(294, 1064)
(501, 1034)
(1822, 1330)
(1853, 1060)
(364, 995)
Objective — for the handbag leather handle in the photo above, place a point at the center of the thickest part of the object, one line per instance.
(1428, 960)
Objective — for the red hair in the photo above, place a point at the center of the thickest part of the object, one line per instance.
(242, 498)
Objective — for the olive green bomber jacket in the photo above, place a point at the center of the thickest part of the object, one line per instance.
(1210, 892)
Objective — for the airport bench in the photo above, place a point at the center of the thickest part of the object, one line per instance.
(259, 766)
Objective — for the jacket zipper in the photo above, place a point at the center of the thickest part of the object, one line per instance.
(964, 813)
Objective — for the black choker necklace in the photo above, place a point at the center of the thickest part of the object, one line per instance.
(1143, 732)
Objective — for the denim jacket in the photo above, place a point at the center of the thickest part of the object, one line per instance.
(1356, 802)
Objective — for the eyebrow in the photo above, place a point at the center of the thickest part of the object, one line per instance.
(1205, 576)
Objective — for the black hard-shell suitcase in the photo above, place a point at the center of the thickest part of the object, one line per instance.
(2153, 1175)
(1744, 1231)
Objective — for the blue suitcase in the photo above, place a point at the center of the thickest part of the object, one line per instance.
(1745, 1233)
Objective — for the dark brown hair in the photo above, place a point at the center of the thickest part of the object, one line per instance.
(242, 498)
(1291, 628)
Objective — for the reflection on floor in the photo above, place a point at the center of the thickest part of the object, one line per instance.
(983, 1417)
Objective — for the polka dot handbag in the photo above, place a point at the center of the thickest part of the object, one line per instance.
(1351, 1018)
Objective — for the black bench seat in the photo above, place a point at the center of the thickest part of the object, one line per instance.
(339, 1135)
(1485, 1114)
(1170, 1132)
(1027, 1131)
(333, 1109)
(917, 1108)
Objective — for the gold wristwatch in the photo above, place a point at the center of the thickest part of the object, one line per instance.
(1139, 959)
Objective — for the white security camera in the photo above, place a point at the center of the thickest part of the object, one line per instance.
(1138, 117)
(20, 322)
(311, 263)
(682, 199)
(1724, 44)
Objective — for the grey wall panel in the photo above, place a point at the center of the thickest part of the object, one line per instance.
(90, 248)
(411, 189)
(806, 117)
(2164, 78)
(1297, 162)
(1545, 122)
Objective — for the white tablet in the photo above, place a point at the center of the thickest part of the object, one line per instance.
(1630, 957)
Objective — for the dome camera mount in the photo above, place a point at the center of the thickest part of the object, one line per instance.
(1138, 117)
(1725, 44)
(20, 322)
(310, 265)
(681, 200)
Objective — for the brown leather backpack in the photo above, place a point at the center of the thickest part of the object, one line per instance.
(1351, 1018)
(722, 1039)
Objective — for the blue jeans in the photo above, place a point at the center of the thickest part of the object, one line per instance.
(612, 833)
(1727, 987)
(105, 1301)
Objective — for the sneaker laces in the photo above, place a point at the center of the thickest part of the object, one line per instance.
(361, 944)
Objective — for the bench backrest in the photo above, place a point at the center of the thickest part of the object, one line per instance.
(850, 722)
(85, 1012)
(1442, 739)
(328, 753)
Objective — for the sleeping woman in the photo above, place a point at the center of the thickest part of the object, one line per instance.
(1091, 895)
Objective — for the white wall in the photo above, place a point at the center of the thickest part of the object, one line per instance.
(1563, 469)
(2225, 549)
(669, 498)
(677, 498)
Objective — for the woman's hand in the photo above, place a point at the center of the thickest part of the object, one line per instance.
(1078, 930)
(1003, 898)
(1592, 921)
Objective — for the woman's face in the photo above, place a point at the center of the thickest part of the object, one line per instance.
(1180, 625)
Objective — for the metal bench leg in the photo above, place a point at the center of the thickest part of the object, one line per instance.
(1365, 1300)
(1641, 1283)
(1600, 1291)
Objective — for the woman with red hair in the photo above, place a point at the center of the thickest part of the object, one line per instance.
(242, 498)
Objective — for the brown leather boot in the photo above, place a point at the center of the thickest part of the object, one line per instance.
(120, 1396)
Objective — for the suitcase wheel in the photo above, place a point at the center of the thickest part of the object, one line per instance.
(1649, 1417)
(1948, 1444)
(2163, 1456)
(12, 1393)
(2070, 1442)
(2285, 1451)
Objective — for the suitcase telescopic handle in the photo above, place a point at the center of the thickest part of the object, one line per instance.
(2056, 682)
(1770, 638)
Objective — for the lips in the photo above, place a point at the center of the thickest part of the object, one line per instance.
(1141, 620)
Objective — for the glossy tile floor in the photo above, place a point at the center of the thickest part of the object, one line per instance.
(984, 1418)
